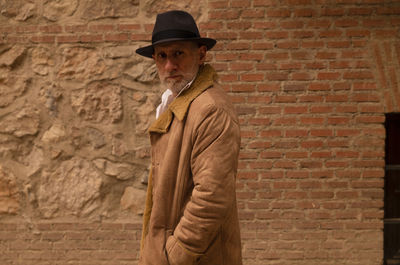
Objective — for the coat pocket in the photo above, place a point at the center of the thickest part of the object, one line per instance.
(214, 254)
(177, 255)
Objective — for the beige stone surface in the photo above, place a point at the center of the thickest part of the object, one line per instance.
(55, 10)
(9, 57)
(21, 123)
(96, 9)
(133, 200)
(72, 189)
(9, 195)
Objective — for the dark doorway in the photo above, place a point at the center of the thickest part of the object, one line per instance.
(392, 190)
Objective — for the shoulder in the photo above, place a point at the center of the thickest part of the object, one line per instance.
(213, 100)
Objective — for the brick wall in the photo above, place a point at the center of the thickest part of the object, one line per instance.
(69, 243)
(311, 80)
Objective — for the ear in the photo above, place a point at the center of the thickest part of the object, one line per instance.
(202, 54)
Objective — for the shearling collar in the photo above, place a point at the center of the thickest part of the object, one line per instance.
(180, 105)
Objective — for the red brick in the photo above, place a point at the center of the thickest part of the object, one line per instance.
(338, 120)
(340, 65)
(43, 39)
(278, 56)
(251, 56)
(251, 35)
(241, 66)
(252, 13)
(285, 164)
(261, 165)
(91, 38)
(332, 12)
(358, 33)
(321, 132)
(315, 65)
(311, 98)
(292, 155)
(67, 38)
(263, 25)
(348, 132)
(116, 37)
(312, 144)
(295, 87)
(361, 11)
(75, 28)
(339, 44)
(370, 119)
(211, 25)
(101, 28)
(27, 29)
(226, 15)
(337, 98)
(296, 133)
(140, 37)
(243, 88)
(347, 154)
(358, 75)
(301, 76)
(270, 154)
(278, 12)
(304, 12)
(386, 33)
(270, 110)
(129, 27)
(295, 110)
(330, 34)
(263, 46)
(285, 99)
(388, 10)
(259, 99)
(321, 86)
(328, 75)
(218, 4)
(239, 46)
(50, 29)
(277, 35)
(288, 45)
(312, 120)
(321, 109)
(303, 34)
(312, 44)
(276, 76)
(294, 24)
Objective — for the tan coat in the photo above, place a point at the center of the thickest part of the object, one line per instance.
(191, 213)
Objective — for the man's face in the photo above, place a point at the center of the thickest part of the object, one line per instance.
(178, 62)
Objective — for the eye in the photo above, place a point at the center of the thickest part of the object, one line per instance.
(178, 53)
(161, 55)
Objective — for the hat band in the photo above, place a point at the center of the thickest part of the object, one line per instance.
(173, 34)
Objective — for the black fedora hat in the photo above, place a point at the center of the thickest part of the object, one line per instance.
(174, 26)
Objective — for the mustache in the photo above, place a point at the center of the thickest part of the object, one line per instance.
(172, 73)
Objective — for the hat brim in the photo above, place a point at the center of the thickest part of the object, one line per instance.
(148, 51)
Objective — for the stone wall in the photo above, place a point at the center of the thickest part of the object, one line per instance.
(311, 80)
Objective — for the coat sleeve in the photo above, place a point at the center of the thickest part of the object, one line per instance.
(216, 144)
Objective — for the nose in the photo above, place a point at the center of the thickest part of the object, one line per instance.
(170, 65)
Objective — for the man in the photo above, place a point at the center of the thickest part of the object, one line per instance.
(191, 213)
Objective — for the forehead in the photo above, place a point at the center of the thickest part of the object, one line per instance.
(175, 45)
